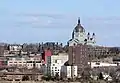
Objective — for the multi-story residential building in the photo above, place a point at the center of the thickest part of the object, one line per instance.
(55, 62)
(78, 56)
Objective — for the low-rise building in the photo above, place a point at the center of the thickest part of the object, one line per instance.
(32, 64)
(101, 64)
(19, 62)
(28, 62)
(15, 48)
(69, 71)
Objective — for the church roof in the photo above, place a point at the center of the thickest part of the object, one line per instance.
(79, 28)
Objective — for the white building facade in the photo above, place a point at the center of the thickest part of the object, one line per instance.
(68, 72)
(19, 62)
(55, 62)
(25, 62)
(101, 64)
(15, 48)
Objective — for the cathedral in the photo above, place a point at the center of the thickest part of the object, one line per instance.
(79, 36)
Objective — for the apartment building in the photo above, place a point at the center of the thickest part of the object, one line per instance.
(78, 56)
(55, 62)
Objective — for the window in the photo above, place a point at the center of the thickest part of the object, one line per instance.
(97, 63)
(53, 64)
(55, 61)
(20, 65)
(55, 67)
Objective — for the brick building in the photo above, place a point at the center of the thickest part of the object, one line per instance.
(81, 54)
(78, 55)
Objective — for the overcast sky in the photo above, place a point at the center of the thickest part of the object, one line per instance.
(53, 20)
